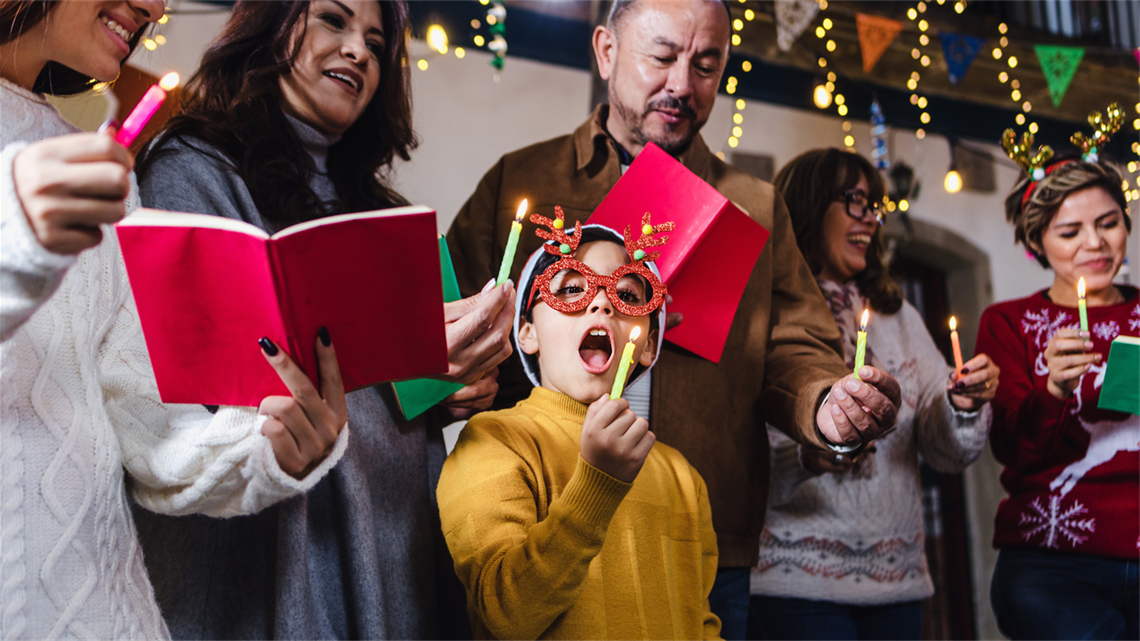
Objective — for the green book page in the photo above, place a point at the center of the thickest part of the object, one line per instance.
(1121, 389)
(419, 395)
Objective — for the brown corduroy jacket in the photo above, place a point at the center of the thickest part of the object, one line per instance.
(782, 350)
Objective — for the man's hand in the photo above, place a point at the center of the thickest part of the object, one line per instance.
(672, 319)
(474, 398)
(478, 332)
(860, 411)
(614, 439)
(70, 185)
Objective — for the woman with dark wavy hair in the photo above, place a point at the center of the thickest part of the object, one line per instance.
(841, 555)
(297, 112)
(79, 408)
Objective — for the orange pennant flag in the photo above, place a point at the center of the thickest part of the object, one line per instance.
(875, 35)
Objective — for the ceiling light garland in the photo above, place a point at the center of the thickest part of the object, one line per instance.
(1014, 84)
(917, 99)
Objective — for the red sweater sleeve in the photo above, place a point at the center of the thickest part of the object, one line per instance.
(1027, 423)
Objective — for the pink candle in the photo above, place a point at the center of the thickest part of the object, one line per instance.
(142, 113)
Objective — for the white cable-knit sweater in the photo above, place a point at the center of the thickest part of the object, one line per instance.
(857, 538)
(78, 405)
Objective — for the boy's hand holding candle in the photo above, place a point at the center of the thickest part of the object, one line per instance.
(614, 439)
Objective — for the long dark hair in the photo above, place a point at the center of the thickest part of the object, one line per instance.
(18, 16)
(233, 103)
(810, 183)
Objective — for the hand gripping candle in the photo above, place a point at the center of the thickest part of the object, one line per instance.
(145, 109)
(861, 346)
(957, 346)
(1081, 304)
(512, 246)
(623, 366)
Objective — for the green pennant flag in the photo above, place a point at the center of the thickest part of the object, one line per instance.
(1060, 65)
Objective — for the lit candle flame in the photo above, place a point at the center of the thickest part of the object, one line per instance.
(953, 323)
(169, 81)
(522, 211)
(634, 334)
(863, 321)
(1081, 287)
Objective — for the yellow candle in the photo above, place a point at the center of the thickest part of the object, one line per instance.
(512, 246)
(1081, 305)
(623, 366)
(957, 345)
(861, 346)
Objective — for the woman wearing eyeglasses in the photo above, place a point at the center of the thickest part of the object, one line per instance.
(841, 555)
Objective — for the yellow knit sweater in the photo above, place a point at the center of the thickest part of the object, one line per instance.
(550, 547)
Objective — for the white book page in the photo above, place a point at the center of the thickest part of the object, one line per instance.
(332, 220)
(146, 217)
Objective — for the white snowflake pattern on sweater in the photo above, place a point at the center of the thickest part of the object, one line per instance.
(1055, 522)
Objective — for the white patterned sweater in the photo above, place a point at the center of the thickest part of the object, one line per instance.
(857, 538)
(78, 404)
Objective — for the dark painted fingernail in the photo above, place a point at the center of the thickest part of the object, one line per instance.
(965, 370)
(323, 334)
(960, 385)
(267, 346)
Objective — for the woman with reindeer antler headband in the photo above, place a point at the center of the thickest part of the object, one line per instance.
(565, 518)
(1069, 531)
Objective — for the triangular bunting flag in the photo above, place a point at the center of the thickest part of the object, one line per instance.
(959, 51)
(1060, 65)
(875, 35)
(792, 17)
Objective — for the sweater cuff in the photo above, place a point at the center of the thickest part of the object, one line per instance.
(286, 485)
(593, 495)
(20, 244)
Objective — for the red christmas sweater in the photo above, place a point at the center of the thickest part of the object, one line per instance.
(1072, 471)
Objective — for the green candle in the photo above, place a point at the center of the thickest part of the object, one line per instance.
(861, 345)
(623, 366)
(512, 246)
(1081, 305)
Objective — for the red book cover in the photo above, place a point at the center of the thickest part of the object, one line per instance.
(710, 255)
(207, 288)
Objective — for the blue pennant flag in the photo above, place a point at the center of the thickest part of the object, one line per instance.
(959, 51)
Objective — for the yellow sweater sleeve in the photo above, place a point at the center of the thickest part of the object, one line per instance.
(521, 574)
(711, 627)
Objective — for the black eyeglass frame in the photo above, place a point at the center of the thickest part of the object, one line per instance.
(876, 209)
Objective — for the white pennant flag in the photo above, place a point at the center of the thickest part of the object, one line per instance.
(792, 17)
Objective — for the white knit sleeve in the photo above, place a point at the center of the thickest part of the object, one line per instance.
(29, 273)
(947, 438)
(181, 458)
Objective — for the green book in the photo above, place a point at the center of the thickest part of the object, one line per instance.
(418, 395)
(1121, 389)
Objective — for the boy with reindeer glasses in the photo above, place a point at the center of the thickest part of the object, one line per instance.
(564, 518)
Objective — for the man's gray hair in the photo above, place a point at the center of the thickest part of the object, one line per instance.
(620, 10)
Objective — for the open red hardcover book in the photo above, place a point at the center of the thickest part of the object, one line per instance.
(710, 255)
(207, 288)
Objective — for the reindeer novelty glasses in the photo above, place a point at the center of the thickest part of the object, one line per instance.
(633, 289)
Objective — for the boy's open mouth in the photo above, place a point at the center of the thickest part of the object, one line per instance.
(596, 349)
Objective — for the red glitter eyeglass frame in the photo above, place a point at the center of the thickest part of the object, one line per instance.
(565, 247)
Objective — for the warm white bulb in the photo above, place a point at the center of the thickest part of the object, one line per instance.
(953, 182)
(437, 38)
(169, 81)
(822, 97)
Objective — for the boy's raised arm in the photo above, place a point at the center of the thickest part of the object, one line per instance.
(522, 569)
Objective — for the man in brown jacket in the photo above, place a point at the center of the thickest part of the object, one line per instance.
(663, 61)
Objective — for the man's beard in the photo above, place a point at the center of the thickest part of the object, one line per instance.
(672, 144)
